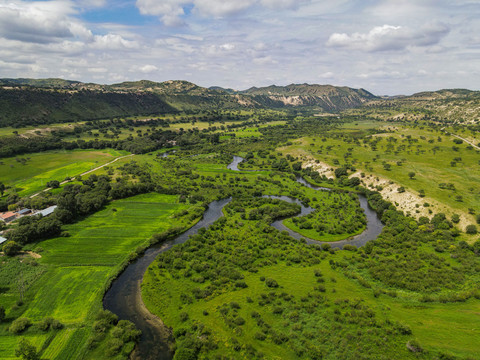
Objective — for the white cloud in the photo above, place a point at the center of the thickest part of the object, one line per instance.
(221, 8)
(172, 12)
(148, 69)
(38, 22)
(327, 75)
(98, 70)
(112, 42)
(265, 60)
(227, 47)
(283, 4)
(389, 37)
(92, 3)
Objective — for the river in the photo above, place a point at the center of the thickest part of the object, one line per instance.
(124, 297)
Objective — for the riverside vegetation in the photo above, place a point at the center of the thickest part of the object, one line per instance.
(241, 289)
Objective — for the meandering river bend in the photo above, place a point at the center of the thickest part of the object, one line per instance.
(124, 297)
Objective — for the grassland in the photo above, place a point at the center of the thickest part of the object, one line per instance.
(316, 308)
(69, 281)
(431, 155)
(31, 175)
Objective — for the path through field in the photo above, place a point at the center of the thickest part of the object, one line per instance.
(85, 173)
(461, 138)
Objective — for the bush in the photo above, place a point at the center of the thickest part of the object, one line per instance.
(185, 354)
(414, 346)
(271, 283)
(113, 347)
(108, 316)
(350, 247)
(45, 323)
(56, 325)
(19, 325)
(260, 336)
(239, 321)
(241, 284)
(183, 316)
(471, 229)
(11, 248)
(26, 350)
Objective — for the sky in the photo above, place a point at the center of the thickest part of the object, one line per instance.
(388, 47)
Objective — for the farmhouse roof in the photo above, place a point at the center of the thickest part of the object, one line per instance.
(8, 216)
(2, 239)
(23, 211)
(47, 211)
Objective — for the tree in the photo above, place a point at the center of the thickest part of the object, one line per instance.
(11, 248)
(26, 350)
(2, 314)
(411, 175)
(471, 229)
(341, 171)
(54, 184)
(455, 218)
(2, 188)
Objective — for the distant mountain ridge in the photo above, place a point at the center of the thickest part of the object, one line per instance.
(327, 97)
(34, 101)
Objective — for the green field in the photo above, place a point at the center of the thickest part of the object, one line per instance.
(32, 175)
(75, 270)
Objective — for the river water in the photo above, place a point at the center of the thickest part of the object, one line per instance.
(124, 296)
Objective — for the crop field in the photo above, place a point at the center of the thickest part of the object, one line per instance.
(75, 269)
(30, 173)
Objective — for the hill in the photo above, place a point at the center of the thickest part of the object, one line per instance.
(42, 101)
(326, 97)
(446, 105)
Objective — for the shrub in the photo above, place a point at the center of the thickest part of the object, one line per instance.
(26, 350)
(45, 323)
(471, 229)
(414, 346)
(56, 325)
(183, 316)
(277, 310)
(350, 247)
(260, 336)
(19, 325)
(11, 248)
(271, 283)
(241, 284)
(113, 347)
(185, 354)
(239, 321)
(234, 305)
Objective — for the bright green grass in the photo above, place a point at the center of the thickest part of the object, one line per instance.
(78, 267)
(41, 168)
(452, 327)
(8, 344)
